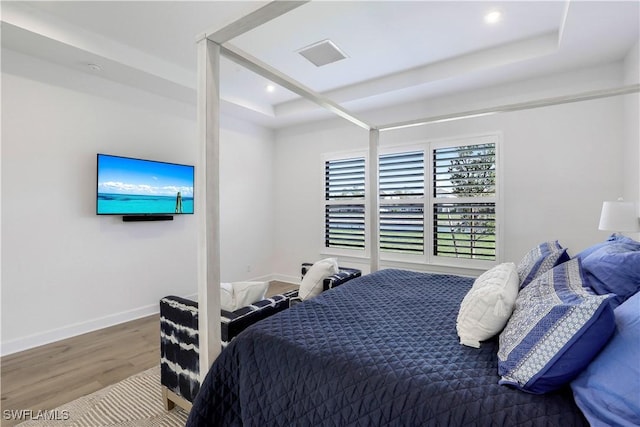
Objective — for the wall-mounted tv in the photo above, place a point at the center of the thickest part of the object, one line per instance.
(128, 186)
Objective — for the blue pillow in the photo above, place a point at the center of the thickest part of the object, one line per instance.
(556, 329)
(608, 391)
(612, 269)
(540, 259)
(622, 242)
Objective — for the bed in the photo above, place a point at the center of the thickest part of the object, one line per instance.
(380, 350)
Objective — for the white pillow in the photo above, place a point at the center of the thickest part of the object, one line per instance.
(246, 293)
(311, 285)
(227, 302)
(486, 308)
(241, 294)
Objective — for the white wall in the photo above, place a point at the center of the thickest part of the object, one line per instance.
(559, 162)
(632, 130)
(67, 271)
(246, 201)
(632, 126)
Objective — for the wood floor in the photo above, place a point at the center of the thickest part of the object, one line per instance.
(49, 376)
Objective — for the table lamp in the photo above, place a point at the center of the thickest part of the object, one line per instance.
(619, 216)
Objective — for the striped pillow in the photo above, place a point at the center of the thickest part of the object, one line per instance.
(540, 259)
(557, 327)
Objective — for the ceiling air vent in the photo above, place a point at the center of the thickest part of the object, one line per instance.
(322, 53)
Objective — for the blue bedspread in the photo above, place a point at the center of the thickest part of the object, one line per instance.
(378, 350)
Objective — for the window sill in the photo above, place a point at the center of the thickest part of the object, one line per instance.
(422, 266)
(437, 268)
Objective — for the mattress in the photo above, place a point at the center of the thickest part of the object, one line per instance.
(379, 350)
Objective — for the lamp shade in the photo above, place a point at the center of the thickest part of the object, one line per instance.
(619, 216)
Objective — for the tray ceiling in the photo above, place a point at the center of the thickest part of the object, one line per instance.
(396, 51)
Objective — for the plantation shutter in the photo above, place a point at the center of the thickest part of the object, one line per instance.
(402, 202)
(402, 175)
(344, 206)
(402, 228)
(464, 208)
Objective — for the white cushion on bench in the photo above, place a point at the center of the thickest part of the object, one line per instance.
(312, 282)
(241, 294)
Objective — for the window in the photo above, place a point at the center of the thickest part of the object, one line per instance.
(437, 202)
(344, 203)
(464, 201)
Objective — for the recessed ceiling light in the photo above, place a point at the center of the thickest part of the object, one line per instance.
(493, 17)
(270, 88)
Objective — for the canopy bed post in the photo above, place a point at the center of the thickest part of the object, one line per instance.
(374, 200)
(208, 212)
(208, 173)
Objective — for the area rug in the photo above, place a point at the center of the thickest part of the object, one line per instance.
(133, 402)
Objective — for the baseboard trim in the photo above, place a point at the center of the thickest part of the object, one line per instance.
(53, 335)
(285, 278)
(47, 337)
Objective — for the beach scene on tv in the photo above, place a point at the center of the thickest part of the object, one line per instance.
(133, 186)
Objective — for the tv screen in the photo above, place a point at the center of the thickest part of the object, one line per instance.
(128, 186)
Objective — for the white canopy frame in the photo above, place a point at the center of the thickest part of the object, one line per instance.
(211, 46)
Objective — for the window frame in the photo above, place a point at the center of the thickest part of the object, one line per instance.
(428, 200)
(494, 138)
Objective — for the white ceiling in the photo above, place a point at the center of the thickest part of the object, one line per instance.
(397, 51)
